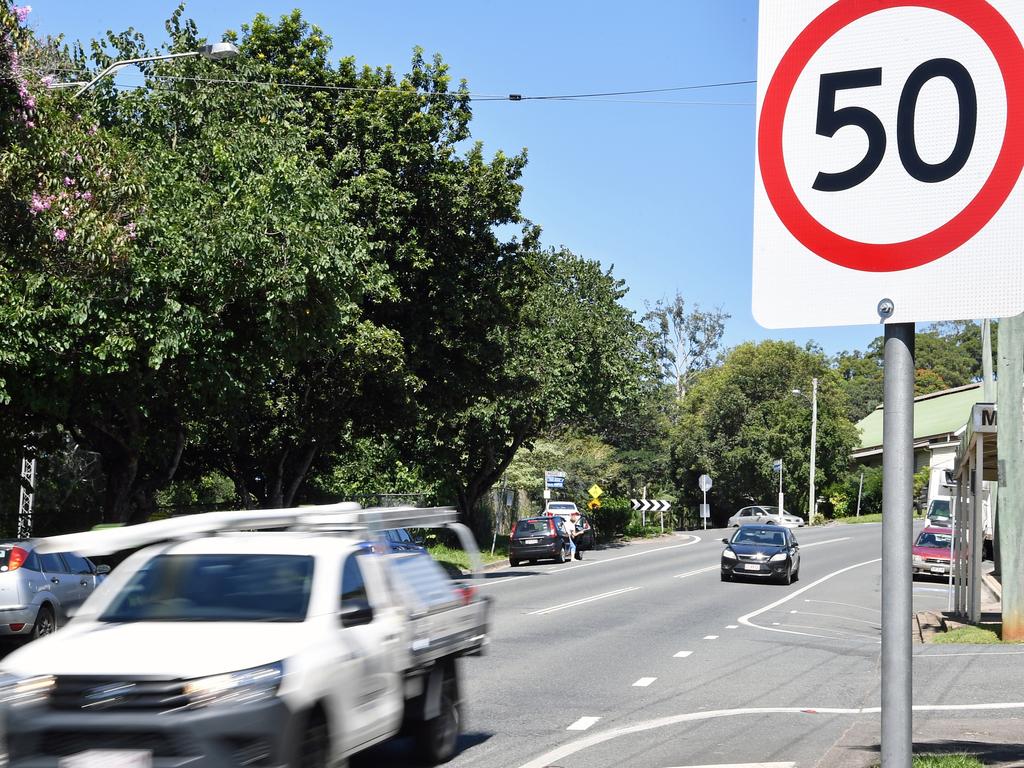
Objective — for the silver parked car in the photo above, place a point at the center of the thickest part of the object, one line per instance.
(37, 591)
(763, 514)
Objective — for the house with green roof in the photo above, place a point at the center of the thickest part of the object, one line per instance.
(940, 419)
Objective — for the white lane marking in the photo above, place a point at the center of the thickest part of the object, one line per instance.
(848, 605)
(710, 637)
(744, 765)
(643, 682)
(591, 599)
(873, 624)
(694, 573)
(746, 618)
(682, 654)
(584, 564)
(970, 653)
(836, 633)
(732, 626)
(826, 541)
(567, 750)
(583, 723)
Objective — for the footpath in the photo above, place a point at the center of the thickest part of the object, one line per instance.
(997, 742)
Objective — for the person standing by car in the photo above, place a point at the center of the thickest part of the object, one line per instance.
(569, 529)
(578, 530)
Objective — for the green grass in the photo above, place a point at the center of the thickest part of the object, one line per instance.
(969, 635)
(460, 559)
(945, 761)
(875, 517)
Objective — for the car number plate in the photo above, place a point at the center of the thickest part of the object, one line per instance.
(109, 758)
(938, 569)
(751, 567)
(530, 541)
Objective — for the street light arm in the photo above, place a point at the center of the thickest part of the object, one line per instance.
(127, 62)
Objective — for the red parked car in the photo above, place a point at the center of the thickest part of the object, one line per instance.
(931, 551)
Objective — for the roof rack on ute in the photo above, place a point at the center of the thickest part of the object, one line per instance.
(341, 517)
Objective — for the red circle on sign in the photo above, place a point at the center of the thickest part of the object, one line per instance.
(891, 257)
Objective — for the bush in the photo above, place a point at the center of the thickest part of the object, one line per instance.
(637, 531)
(611, 518)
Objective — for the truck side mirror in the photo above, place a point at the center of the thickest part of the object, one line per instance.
(356, 612)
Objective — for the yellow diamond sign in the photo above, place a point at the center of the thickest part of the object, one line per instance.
(595, 490)
(594, 504)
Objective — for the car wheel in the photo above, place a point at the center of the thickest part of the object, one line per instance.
(46, 623)
(796, 574)
(314, 747)
(787, 579)
(513, 563)
(560, 557)
(726, 577)
(437, 738)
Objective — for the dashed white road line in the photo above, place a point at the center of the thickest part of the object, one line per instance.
(643, 682)
(573, 747)
(583, 723)
(732, 626)
(694, 573)
(744, 765)
(710, 637)
(563, 606)
(682, 654)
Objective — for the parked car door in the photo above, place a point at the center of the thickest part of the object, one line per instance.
(60, 582)
(83, 575)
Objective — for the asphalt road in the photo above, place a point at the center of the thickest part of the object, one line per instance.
(640, 656)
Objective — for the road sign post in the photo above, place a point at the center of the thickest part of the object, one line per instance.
(704, 482)
(890, 145)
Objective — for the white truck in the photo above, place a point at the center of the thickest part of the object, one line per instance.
(221, 645)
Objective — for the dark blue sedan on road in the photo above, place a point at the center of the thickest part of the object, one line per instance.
(762, 551)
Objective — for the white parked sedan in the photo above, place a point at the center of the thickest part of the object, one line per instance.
(763, 514)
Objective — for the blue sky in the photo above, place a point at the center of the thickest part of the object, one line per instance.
(662, 191)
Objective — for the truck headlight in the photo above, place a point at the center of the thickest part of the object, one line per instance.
(26, 691)
(246, 686)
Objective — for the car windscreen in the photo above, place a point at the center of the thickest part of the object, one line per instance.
(533, 527)
(939, 508)
(758, 536)
(934, 540)
(216, 587)
(568, 506)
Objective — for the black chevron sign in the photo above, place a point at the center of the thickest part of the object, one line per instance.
(651, 505)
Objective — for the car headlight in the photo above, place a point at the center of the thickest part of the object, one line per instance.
(729, 554)
(26, 691)
(244, 687)
(778, 557)
(918, 560)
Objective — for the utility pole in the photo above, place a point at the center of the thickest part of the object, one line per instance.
(1010, 437)
(814, 445)
(860, 490)
(25, 498)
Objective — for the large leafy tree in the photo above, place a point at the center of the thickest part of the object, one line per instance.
(741, 416)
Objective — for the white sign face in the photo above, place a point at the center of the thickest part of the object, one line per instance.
(890, 144)
(704, 483)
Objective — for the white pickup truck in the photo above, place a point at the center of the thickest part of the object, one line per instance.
(296, 647)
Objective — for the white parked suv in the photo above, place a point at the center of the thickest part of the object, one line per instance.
(244, 648)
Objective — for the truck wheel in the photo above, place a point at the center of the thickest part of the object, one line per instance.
(437, 738)
(314, 746)
(45, 622)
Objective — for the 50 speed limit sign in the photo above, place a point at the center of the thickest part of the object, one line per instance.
(890, 145)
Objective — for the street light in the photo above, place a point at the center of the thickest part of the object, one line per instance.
(814, 445)
(212, 52)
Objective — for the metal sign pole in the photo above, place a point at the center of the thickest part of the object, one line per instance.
(897, 541)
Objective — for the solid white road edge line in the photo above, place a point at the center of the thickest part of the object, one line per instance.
(583, 723)
(746, 619)
(576, 566)
(566, 750)
(970, 653)
(591, 599)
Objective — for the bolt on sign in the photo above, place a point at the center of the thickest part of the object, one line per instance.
(890, 144)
